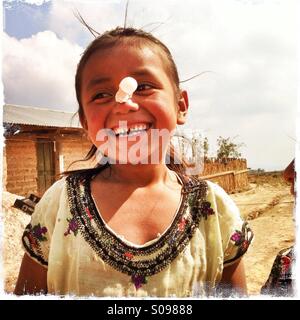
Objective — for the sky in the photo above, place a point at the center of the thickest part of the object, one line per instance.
(249, 47)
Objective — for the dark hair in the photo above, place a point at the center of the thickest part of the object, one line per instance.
(114, 37)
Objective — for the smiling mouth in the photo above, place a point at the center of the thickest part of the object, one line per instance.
(133, 130)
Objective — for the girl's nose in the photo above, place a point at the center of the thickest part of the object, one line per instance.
(125, 107)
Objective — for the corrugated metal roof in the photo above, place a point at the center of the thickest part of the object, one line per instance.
(39, 117)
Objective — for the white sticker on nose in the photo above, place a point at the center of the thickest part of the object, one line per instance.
(126, 88)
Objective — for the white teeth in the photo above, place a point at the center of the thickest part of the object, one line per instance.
(127, 130)
(138, 127)
(121, 130)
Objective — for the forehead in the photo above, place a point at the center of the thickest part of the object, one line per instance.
(126, 58)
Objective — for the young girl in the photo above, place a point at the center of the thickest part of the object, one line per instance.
(132, 229)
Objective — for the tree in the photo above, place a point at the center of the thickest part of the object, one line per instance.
(205, 147)
(227, 148)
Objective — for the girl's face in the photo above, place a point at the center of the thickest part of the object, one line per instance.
(156, 104)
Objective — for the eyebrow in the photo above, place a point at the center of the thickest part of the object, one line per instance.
(97, 81)
(142, 72)
(100, 80)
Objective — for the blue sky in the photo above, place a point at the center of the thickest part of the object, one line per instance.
(250, 47)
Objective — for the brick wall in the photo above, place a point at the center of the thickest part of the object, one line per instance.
(72, 150)
(4, 170)
(21, 164)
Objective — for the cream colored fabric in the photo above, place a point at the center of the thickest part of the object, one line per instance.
(74, 268)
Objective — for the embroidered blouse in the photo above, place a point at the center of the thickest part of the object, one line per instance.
(85, 257)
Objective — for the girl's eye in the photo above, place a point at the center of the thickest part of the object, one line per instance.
(101, 95)
(144, 86)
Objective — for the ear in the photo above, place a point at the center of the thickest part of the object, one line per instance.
(183, 105)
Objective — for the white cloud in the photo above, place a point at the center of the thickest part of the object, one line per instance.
(249, 45)
(39, 71)
(252, 93)
(101, 16)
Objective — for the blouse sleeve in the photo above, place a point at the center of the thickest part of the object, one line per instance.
(235, 233)
(36, 238)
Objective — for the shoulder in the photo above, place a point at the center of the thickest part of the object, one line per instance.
(225, 213)
(223, 221)
(211, 199)
(53, 194)
(56, 188)
(53, 198)
(214, 190)
(221, 200)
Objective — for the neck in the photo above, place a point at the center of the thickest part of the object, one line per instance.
(140, 175)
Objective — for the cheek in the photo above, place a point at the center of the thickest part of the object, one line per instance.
(95, 123)
(163, 110)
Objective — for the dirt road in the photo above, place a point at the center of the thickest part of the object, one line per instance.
(269, 208)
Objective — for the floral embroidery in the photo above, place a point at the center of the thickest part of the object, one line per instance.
(237, 237)
(206, 209)
(73, 226)
(128, 255)
(88, 213)
(181, 224)
(32, 237)
(138, 280)
(285, 264)
(38, 232)
(242, 240)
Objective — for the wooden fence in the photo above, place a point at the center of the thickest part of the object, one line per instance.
(231, 174)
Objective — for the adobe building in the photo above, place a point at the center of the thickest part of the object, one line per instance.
(39, 145)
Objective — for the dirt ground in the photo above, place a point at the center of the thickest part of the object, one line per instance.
(269, 208)
(14, 223)
(267, 205)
